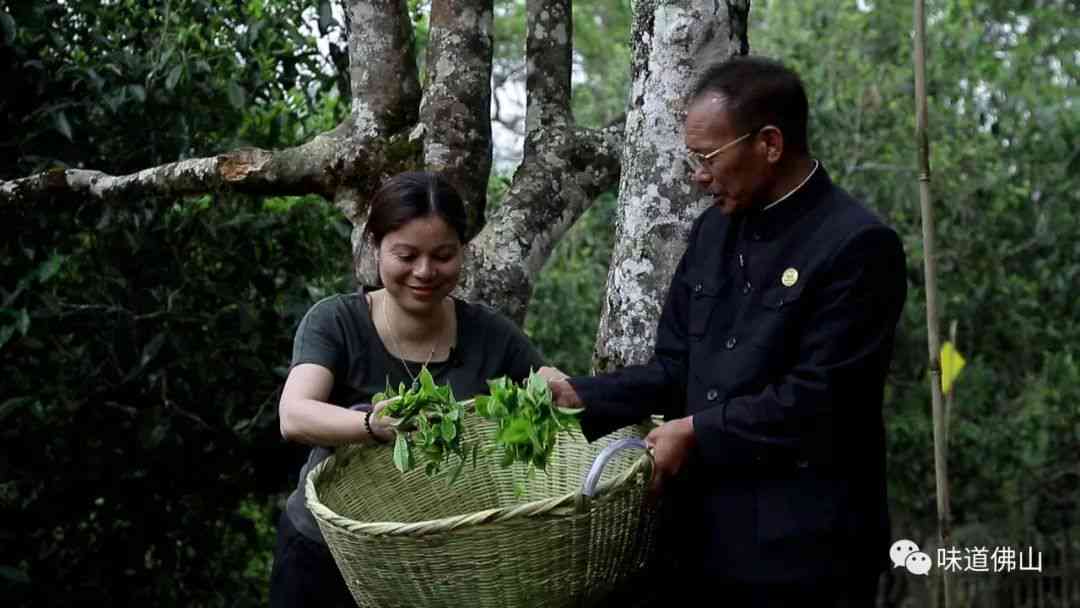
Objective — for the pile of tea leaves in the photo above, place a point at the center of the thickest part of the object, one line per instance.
(435, 418)
(527, 424)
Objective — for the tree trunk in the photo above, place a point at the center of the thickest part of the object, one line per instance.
(657, 202)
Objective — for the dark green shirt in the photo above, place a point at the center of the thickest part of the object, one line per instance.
(338, 334)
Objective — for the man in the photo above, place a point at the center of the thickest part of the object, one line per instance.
(770, 361)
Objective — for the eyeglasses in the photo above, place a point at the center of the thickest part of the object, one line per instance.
(699, 161)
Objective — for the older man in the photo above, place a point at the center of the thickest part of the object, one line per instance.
(770, 360)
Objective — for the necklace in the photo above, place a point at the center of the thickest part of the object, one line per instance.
(397, 345)
(793, 190)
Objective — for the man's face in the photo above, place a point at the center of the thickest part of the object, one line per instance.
(737, 175)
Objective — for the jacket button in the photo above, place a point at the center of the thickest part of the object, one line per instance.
(747, 288)
(698, 288)
(731, 343)
(712, 394)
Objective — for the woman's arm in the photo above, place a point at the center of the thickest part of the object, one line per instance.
(307, 418)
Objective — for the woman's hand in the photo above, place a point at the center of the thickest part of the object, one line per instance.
(551, 374)
(383, 427)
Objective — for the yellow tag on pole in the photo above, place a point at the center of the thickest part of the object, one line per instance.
(951, 364)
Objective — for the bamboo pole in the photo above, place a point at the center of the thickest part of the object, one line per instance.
(950, 397)
(941, 469)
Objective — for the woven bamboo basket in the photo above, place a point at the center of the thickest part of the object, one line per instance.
(561, 540)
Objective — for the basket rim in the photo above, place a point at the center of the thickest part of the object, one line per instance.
(568, 504)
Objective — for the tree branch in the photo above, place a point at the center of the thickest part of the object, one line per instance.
(456, 109)
(550, 192)
(548, 60)
(382, 66)
(299, 170)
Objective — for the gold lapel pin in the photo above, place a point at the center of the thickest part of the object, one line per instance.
(790, 277)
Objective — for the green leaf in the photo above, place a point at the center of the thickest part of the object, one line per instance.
(537, 385)
(174, 76)
(151, 349)
(165, 57)
(516, 432)
(138, 92)
(481, 404)
(458, 468)
(449, 429)
(12, 405)
(402, 455)
(14, 575)
(49, 268)
(23, 324)
(237, 95)
(60, 122)
(7, 23)
(6, 331)
(427, 383)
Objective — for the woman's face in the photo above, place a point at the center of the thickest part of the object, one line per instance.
(420, 263)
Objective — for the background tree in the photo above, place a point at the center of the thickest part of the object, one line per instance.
(141, 341)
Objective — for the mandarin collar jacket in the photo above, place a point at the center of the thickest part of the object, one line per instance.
(776, 336)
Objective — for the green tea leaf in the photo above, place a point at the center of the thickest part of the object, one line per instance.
(402, 455)
(436, 418)
(516, 432)
(427, 383)
(449, 429)
(538, 387)
(481, 404)
(459, 467)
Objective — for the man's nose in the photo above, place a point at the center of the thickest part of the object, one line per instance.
(701, 176)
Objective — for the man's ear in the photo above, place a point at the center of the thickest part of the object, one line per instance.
(773, 139)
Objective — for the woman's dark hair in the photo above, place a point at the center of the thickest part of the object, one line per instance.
(757, 92)
(415, 194)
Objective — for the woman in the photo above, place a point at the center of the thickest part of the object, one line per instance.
(349, 346)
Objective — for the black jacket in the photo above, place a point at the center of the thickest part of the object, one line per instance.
(776, 335)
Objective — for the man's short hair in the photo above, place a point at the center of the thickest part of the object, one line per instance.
(758, 91)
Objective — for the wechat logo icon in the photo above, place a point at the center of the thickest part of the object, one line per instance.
(905, 553)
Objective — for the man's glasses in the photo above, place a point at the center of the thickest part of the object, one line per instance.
(699, 161)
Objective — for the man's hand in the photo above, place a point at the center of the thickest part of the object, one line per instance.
(562, 394)
(671, 443)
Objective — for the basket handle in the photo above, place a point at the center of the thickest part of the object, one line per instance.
(593, 477)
